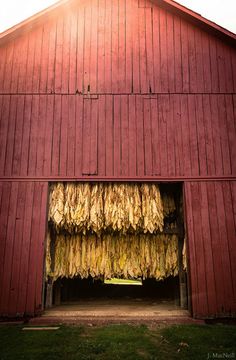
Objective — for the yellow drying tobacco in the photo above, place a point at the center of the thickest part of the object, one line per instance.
(96, 208)
(108, 256)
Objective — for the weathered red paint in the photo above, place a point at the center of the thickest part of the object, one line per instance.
(118, 90)
(167, 135)
(211, 246)
(121, 47)
(23, 225)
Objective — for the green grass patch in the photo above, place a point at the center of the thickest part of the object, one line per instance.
(119, 342)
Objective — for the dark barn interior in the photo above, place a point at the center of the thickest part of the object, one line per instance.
(81, 289)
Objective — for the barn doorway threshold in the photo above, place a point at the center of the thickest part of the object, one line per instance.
(126, 308)
(96, 312)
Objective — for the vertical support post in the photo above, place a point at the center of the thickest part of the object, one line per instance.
(182, 276)
(49, 284)
(57, 292)
(49, 293)
(182, 273)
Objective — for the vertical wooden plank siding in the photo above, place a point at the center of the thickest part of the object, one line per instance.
(101, 47)
(48, 139)
(232, 186)
(40, 264)
(55, 154)
(171, 138)
(4, 123)
(142, 49)
(132, 137)
(147, 124)
(156, 146)
(117, 139)
(45, 57)
(10, 136)
(101, 132)
(5, 206)
(2, 66)
(93, 161)
(29, 63)
(211, 229)
(116, 46)
(178, 136)
(80, 47)
(41, 135)
(175, 135)
(9, 247)
(87, 47)
(38, 55)
(109, 71)
(16, 158)
(135, 48)
(35, 251)
(170, 52)
(129, 26)
(110, 135)
(18, 240)
(124, 135)
(140, 137)
(64, 135)
(25, 250)
(122, 47)
(90, 137)
(71, 136)
(79, 111)
(177, 55)
(58, 55)
(23, 229)
(66, 55)
(73, 19)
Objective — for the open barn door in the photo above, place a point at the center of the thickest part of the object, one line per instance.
(104, 238)
(210, 228)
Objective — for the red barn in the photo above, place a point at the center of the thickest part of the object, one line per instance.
(118, 90)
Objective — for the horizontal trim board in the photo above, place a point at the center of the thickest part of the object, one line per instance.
(95, 96)
(120, 179)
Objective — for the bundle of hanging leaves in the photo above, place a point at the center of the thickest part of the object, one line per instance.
(107, 256)
(168, 204)
(96, 208)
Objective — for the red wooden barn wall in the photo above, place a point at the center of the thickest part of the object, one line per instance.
(118, 89)
(118, 135)
(118, 46)
(23, 215)
(211, 232)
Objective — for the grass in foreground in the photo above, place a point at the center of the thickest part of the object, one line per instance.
(119, 342)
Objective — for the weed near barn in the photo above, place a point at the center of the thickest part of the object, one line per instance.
(118, 342)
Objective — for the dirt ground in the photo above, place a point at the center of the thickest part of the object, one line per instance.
(128, 308)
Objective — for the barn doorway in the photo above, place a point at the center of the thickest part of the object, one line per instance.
(120, 252)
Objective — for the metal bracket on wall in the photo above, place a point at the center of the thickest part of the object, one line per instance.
(150, 98)
(91, 97)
